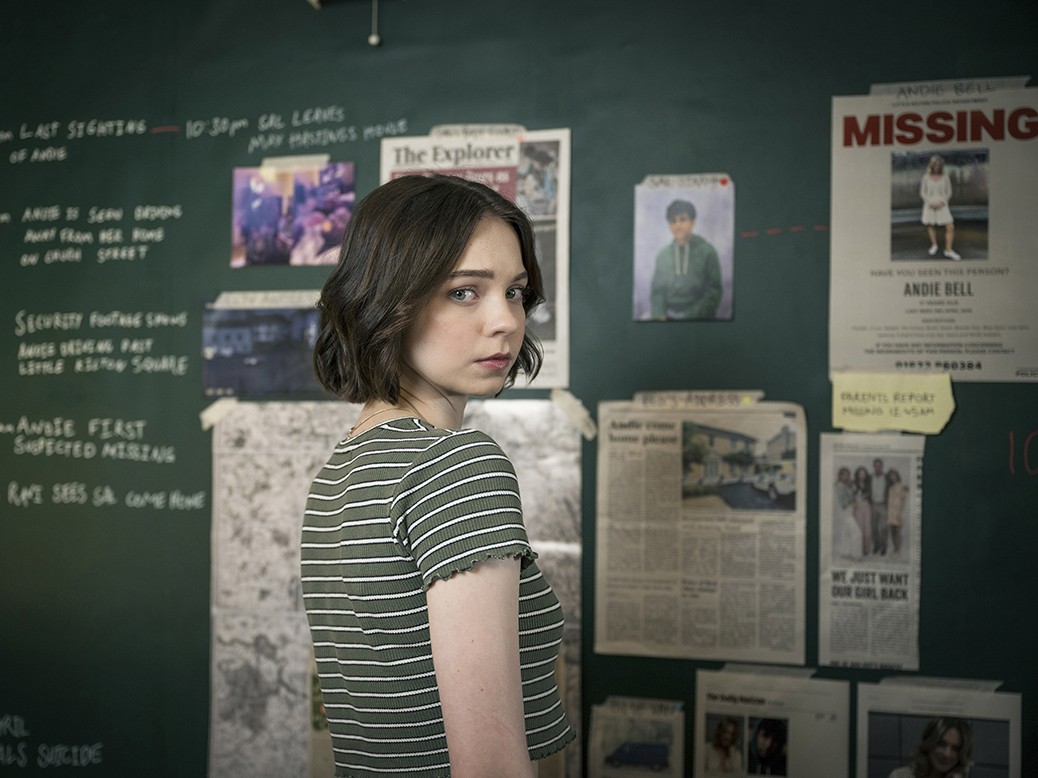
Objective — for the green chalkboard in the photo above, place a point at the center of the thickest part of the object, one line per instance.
(121, 126)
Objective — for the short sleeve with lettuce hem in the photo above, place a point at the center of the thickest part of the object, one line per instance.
(460, 505)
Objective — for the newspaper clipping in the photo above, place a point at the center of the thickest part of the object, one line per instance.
(532, 170)
(902, 721)
(933, 244)
(701, 530)
(630, 735)
(870, 526)
(760, 722)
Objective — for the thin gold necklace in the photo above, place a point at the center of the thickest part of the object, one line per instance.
(370, 416)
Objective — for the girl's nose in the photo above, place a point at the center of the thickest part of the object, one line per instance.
(505, 316)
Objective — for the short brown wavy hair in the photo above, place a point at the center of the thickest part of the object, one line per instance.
(401, 243)
(931, 738)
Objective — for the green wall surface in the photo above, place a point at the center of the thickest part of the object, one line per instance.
(112, 106)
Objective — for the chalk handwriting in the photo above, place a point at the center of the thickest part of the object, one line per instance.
(76, 355)
(1029, 467)
(57, 234)
(79, 493)
(47, 754)
(300, 128)
(103, 437)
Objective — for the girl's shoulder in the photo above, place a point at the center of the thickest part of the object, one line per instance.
(427, 440)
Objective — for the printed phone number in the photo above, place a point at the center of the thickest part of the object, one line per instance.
(927, 364)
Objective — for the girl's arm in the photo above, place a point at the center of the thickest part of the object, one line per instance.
(474, 628)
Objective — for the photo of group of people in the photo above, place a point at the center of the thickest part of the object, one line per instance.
(291, 214)
(728, 752)
(869, 510)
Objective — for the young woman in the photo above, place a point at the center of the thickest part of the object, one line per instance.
(935, 190)
(897, 497)
(945, 751)
(435, 634)
(768, 746)
(863, 508)
(723, 754)
(846, 528)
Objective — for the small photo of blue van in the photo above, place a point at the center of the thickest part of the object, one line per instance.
(653, 755)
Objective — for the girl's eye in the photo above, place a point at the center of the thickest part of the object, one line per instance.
(462, 295)
(519, 293)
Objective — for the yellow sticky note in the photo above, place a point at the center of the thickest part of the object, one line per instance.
(870, 402)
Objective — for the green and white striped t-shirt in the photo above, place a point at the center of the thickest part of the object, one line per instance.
(395, 508)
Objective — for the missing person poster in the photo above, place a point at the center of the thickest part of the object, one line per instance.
(933, 245)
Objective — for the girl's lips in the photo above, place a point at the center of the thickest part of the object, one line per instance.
(495, 362)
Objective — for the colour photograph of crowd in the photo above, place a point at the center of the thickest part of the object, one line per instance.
(291, 216)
